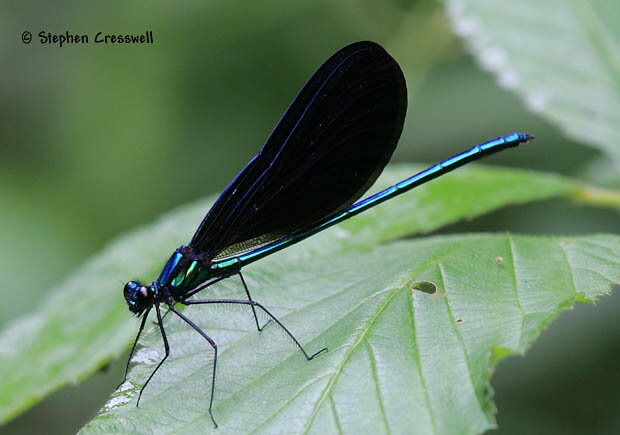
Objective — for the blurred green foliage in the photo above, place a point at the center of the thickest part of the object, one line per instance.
(95, 140)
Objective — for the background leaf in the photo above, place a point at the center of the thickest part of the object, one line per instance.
(562, 58)
(400, 360)
(84, 322)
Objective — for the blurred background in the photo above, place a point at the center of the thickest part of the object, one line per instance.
(98, 139)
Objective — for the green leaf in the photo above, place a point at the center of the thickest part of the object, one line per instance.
(400, 360)
(84, 322)
(562, 58)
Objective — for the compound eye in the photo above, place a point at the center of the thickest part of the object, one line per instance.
(130, 290)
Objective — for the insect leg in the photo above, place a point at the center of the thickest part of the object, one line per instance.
(247, 292)
(165, 314)
(245, 286)
(213, 345)
(259, 306)
(166, 347)
(133, 348)
(204, 285)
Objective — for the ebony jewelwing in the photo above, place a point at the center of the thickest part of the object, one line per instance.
(329, 147)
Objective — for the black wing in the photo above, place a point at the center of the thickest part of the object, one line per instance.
(327, 150)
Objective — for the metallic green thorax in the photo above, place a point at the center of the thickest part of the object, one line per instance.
(183, 272)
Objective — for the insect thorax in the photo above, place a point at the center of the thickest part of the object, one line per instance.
(184, 271)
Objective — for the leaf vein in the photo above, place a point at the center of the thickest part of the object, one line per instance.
(418, 359)
(513, 260)
(347, 356)
(457, 331)
(375, 377)
(335, 413)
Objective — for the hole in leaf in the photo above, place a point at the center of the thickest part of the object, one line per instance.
(424, 286)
